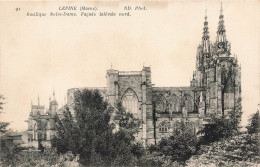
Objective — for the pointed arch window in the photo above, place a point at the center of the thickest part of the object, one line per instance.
(174, 104)
(223, 76)
(160, 103)
(163, 127)
(130, 101)
(189, 103)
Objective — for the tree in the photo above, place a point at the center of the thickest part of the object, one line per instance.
(182, 143)
(8, 151)
(215, 130)
(235, 117)
(1, 101)
(3, 125)
(219, 127)
(89, 132)
(66, 133)
(254, 123)
(126, 121)
(222, 126)
(128, 127)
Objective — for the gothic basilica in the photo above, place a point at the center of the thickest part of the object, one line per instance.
(214, 88)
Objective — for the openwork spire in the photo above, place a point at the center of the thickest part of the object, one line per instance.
(221, 33)
(222, 46)
(205, 37)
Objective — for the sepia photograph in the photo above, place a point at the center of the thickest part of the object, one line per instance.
(130, 83)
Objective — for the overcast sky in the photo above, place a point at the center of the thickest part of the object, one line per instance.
(38, 55)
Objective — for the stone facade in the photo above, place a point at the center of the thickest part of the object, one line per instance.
(214, 88)
(41, 123)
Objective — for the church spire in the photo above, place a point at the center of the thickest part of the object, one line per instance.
(222, 46)
(205, 37)
(221, 33)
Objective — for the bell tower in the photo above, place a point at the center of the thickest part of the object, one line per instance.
(112, 85)
(217, 77)
(228, 75)
(204, 56)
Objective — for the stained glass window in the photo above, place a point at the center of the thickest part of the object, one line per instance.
(130, 101)
(160, 103)
(189, 103)
(174, 104)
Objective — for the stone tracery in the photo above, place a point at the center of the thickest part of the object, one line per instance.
(130, 101)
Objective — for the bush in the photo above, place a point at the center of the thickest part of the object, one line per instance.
(219, 127)
(240, 150)
(10, 153)
(254, 123)
(27, 158)
(154, 159)
(182, 143)
(222, 126)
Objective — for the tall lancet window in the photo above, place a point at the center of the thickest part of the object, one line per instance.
(160, 103)
(130, 101)
(188, 103)
(223, 77)
(174, 104)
